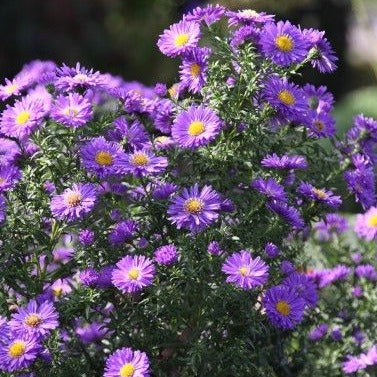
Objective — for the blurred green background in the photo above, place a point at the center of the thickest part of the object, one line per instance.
(119, 36)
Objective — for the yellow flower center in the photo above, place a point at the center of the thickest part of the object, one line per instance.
(161, 139)
(70, 111)
(22, 117)
(133, 273)
(284, 43)
(80, 77)
(243, 271)
(193, 206)
(283, 307)
(372, 221)
(139, 159)
(173, 90)
(57, 291)
(127, 370)
(196, 128)
(181, 39)
(319, 125)
(33, 320)
(2, 180)
(10, 89)
(286, 97)
(249, 13)
(17, 349)
(73, 199)
(195, 69)
(104, 158)
(319, 193)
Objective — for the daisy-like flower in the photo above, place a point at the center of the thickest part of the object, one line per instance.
(166, 255)
(195, 209)
(193, 69)
(18, 352)
(320, 124)
(245, 33)
(284, 308)
(209, 14)
(143, 162)
(195, 127)
(319, 195)
(102, 157)
(288, 99)
(303, 286)
(180, 38)
(332, 223)
(131, 135)
(271, 250)
(13, 87)
(283, 43)
(92, 332)
(366, 271)
(9, 176)
(270, 188)
(35, 319)
(284, 162)
(122, 232)
(133, 273)
(69, 78)
(248, 17)
(89, 277)
(245, 271)
(288, 213)
(72, 110)
(22, 118)
(319, 99)
(331, 275)
(9, 152)
(126, 362)
(164, 190)
(75, 202)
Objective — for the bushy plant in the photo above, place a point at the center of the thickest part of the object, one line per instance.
(162, 231)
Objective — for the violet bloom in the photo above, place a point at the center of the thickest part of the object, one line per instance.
(304, 288)
(9, 177)
(320, 124)
(104, 277)
(72, 110)
(319, 195)
(270, 188)
(75, 202)
(366, 271)
(214, 248)
(284, 162)
(166, 255)
(209, 14)
(245, 271)
(332, 223)
(318, 332)
(92, 332)
(86, 237)
(366, 224)
(195, 127)
(289, 214)
(89, 277)
(133, 273)
(9, 152)
(248, 17)
(123, 232)
(196, 209)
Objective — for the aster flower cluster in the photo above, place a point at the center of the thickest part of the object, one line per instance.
(150, 229)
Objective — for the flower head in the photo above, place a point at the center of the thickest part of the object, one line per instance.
(319, 195)
(166, 255)
(366, 224)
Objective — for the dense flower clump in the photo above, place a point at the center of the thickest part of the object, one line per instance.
(161, 231)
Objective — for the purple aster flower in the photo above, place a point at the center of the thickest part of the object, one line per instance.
(284, 162)
(319, 99)
(72, 110)
(271, 250)
(210, 14)
(104, 277)
(304, 288)
(75, 202)
(166, 255)
(284, 308)
(270, 188)
(336, 334)
(69, 78)
(290, 214)
(352, 364)
(143, 162)
(102, 157)
(288, 99)
(324, 58)
(193, 69)
(248, 17)
(287, 267)
(356, 257)
(133, 273)
(245, 271)
(86, 237)
(319, 195)
(49, 187)
(357, 291)
(358, 337)
(161, 89)
(366, 271)
(35, 319)
(130, 135)
(92, 332)
(22, 118)
(318, 332)
(243, 34)
(196, 209)
(123, 231)
(196, 126)
(366, 224)
(9, 176)
(214, 248)
(332, 223)
(179, 39)
(63, 255)
(332, 275)
(9, 152)
(164, 191)
(89, 277)
(163, 116)
(127, 363)
(13, 87)
(320, 124)
(283, 43)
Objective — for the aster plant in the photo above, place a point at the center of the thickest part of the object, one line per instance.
(161, 231)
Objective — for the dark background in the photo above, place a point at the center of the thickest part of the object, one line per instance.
(119, 36)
